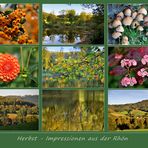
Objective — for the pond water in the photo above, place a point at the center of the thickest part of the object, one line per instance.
(65, 36)
(61, 39)
(73, 110)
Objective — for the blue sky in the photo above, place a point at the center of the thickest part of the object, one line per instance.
(65, 48)
(126, 96)
(19, 92)
(58, 7)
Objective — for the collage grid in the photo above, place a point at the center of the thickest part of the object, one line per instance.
(77, 91)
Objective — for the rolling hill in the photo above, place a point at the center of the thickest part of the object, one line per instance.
(130, 116)
(142, 105)
(30, 100)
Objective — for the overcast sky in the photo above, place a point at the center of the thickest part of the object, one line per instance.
(18, 92)
(65, 48)
(126, 96)
(58, 7)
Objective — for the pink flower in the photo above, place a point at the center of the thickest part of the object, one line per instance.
(128, 63)
(125, 81)
(118, 56)
(133, 81)
(142, 72)
(133, 62)
(144, 60)
(128, 81)
(125, 62)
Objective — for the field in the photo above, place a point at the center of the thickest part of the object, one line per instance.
(23, 126)
(18, 112)
(129, 117)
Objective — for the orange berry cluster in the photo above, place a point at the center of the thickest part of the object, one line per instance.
(18, 26)
(31, 25)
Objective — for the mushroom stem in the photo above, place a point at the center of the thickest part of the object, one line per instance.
(119, 40)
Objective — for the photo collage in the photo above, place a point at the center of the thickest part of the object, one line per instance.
(73, 67)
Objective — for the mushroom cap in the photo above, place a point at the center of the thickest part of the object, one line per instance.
(116, 23)
(118, 18)
(135, 24)
(116, 35)
(120, 14)
(110, 25)
(134, 14)
(145, 19)
(142, 11)
(139, 17)
(125, 43)
(127, 21)
(124, 38)
(146, 24)
(140, 28)
(127, 12)
(146, 34)
(120, 29)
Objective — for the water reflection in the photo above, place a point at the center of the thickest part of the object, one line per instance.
(72, 110)
(64, 37)
(58, 39)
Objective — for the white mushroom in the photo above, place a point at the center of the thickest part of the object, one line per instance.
(139, 17)
(125, 40)
(127, 21)
(120, 14)
(135, 24)
(118, 18)
(110, 25)
(146, 24)
(142, 11)
(120, 29)
(116, 23)
(140, 28)
(116, 35)
(146, 19)
(134, 14)
(146, 34)
(127, 12)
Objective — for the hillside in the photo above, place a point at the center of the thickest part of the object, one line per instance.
(128, 116)
(31, 98)
(142, 105)
(23, 100)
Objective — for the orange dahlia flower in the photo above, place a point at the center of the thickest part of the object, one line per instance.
(9, 67)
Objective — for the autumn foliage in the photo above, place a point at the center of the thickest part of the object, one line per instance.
(20, 25)
(83, 68)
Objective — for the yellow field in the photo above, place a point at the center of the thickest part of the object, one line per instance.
(12, 116)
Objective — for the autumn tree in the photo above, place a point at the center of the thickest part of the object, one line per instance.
(70, 14)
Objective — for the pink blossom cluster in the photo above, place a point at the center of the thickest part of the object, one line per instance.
(128, 62)
(128, 81)
(118, 56)
(142, 72)
(144, 60)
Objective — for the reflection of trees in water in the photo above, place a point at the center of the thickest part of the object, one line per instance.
(77, 110)
(74, 28)
(70, 35)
